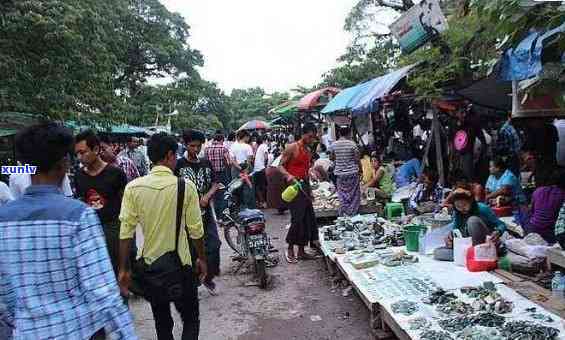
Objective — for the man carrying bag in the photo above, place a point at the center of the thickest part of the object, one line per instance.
(168, 211)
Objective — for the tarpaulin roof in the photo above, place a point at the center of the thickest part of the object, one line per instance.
(286, 110)
(380, 87)
(346, 98)
(317, 98)
(127, 129)
(489, 92)
(7, 132)
(279, 121)
(525, 60)
(361, 99)
(18, 120)
(115, 129)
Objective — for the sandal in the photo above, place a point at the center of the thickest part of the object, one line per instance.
(308, 257)
(289, 259)
(317, 251)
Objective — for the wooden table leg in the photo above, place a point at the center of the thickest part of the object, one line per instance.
(377, 325)
(330, 265)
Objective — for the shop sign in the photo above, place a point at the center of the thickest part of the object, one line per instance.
(418, 25)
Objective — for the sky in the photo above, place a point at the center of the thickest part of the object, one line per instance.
(273, 44)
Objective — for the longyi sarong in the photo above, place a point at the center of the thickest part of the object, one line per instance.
(349, 194)
(303, 228)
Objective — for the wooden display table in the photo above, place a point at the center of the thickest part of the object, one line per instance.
(376, 208)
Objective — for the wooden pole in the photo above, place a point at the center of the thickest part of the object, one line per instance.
(436, 130)
(425, 159)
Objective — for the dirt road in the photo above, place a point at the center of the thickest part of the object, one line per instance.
(301, 305)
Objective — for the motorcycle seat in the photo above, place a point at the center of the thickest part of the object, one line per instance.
(251, 215)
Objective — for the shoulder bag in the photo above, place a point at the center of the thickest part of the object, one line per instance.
(164, 279)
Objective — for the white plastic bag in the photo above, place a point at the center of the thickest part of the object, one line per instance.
(460, 247)
(436, 238)
(486, 252)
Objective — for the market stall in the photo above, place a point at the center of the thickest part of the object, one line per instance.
(413, 296)
(326, 202)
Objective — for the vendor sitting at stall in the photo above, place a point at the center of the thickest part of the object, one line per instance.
(366, 166)
(472, 219)
(378, 177)
(503, 187)
(428, 195)
(408, 172)
(547, 200)
(320, 171)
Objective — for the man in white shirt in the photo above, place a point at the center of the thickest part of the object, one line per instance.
(5, 194)
(327, 139)
(20, 182)
(243, 155)
(241, 150)
(259, 178)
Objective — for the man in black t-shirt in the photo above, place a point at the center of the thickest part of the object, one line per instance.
(101, 186)
(200, 172)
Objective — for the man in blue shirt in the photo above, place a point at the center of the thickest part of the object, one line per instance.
(509, 143)
(408, 172)
(56, 280)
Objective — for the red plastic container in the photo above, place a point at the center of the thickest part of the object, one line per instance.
(474, 265)
(503, 211)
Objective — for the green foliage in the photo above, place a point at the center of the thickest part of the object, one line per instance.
(358, 66)
(64, 57)
(155, 45)
(55, 55)
(472, 49)
(516, 17)
(466, 51)
(253, 103)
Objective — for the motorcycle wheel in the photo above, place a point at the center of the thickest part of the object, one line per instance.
(230, 234)
(261, 269)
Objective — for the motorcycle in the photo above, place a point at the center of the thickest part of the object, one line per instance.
(244, 231)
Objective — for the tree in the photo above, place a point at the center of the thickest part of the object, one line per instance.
(62, 58)
(56, 55)
(154, 44)
(514, 18)
(253, 103)
(359, 67)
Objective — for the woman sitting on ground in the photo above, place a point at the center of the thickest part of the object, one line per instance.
(472, 219)
(547, 200)
(503, 187)
(380, 178)
(428, 195)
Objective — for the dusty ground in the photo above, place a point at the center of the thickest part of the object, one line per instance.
(301, 293)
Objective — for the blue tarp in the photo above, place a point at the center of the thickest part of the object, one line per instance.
(380, 87)
(524, 61)
(345, 99)
(362, 99)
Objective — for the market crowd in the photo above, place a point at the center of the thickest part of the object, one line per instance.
(98, 212)
(72, 233)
